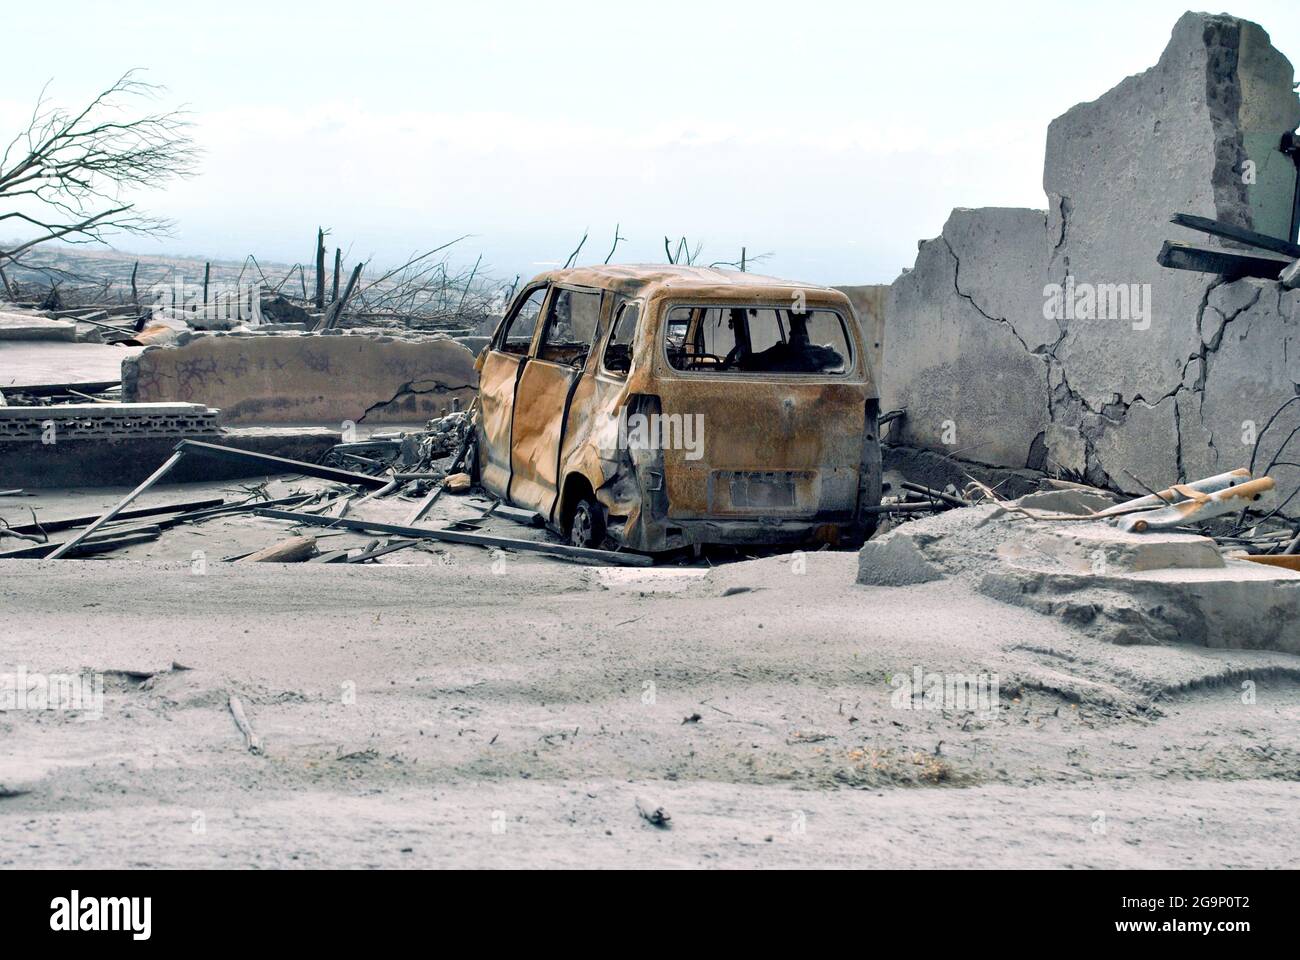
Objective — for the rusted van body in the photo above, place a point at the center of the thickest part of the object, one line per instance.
(663, 407)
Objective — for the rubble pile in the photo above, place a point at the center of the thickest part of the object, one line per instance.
(1131, 572)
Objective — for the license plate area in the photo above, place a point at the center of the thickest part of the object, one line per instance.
(777, 492)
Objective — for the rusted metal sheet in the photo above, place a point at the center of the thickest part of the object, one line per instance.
(761, 456)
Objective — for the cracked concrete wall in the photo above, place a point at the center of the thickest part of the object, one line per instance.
(948, 354)
(306, 379)
(1158, 374)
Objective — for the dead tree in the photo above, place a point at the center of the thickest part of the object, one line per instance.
(336, 308)
(320, 268)
(64, 177)
(617, 238)
(573, 257)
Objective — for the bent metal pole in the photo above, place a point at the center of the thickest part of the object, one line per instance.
(153, 478)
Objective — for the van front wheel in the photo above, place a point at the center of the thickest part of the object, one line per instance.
(587, 527)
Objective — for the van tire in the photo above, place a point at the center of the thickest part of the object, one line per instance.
(587, 524)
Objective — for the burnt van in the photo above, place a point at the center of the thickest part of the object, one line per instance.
(656, 408)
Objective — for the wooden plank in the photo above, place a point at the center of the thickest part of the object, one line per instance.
(1217, 228)
(234, 509)
(473, 539)
(381, 551)
(57, 526)
(251, 740)
(102, 543)
(1228, 263)
(334, 556)
(426, 504)
(292, 550)
(1282, 561)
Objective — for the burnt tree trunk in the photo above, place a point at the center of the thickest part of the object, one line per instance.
(320, 268)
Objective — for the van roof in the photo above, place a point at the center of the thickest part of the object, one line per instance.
(643, 279)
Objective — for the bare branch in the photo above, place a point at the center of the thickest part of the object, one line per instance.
(67, 172)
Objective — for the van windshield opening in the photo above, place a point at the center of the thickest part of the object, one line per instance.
(742, 339)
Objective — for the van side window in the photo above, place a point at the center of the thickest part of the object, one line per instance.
(618, 354)
(519, 333)
(570, 327)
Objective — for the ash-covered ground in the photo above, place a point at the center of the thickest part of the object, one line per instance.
(473, 709)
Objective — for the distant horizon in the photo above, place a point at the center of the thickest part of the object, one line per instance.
(833, 141)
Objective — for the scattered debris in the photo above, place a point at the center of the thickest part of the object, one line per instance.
(292, 550)
(251, 740)
(1161, 585)
(457, 536)
(56, 526)
(1197, 507)
(654, 815)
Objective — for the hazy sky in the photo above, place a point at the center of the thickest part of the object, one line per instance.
(834, 135)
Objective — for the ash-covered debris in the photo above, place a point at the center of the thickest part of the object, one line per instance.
(1076, 555)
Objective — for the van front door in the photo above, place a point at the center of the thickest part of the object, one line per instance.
(498, 382)
(544, 396)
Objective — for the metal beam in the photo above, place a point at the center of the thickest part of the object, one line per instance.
(149, 482)
(282, 464)
(457, 536)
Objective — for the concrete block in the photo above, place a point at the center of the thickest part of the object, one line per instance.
(1067, 452)
(1139, 451)
(895, 560)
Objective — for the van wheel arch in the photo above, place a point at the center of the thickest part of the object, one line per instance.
(578, 501)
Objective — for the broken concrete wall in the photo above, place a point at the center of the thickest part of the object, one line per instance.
(868, 302)
(1053, 340)
(306, 379)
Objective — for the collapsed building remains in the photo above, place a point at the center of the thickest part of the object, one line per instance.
(1054, 340)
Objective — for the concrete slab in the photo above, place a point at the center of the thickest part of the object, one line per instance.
(19, 326)
(1122, 588)
(27, 363)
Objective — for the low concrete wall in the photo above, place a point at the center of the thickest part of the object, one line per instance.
(306, 379)
(126, 461)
